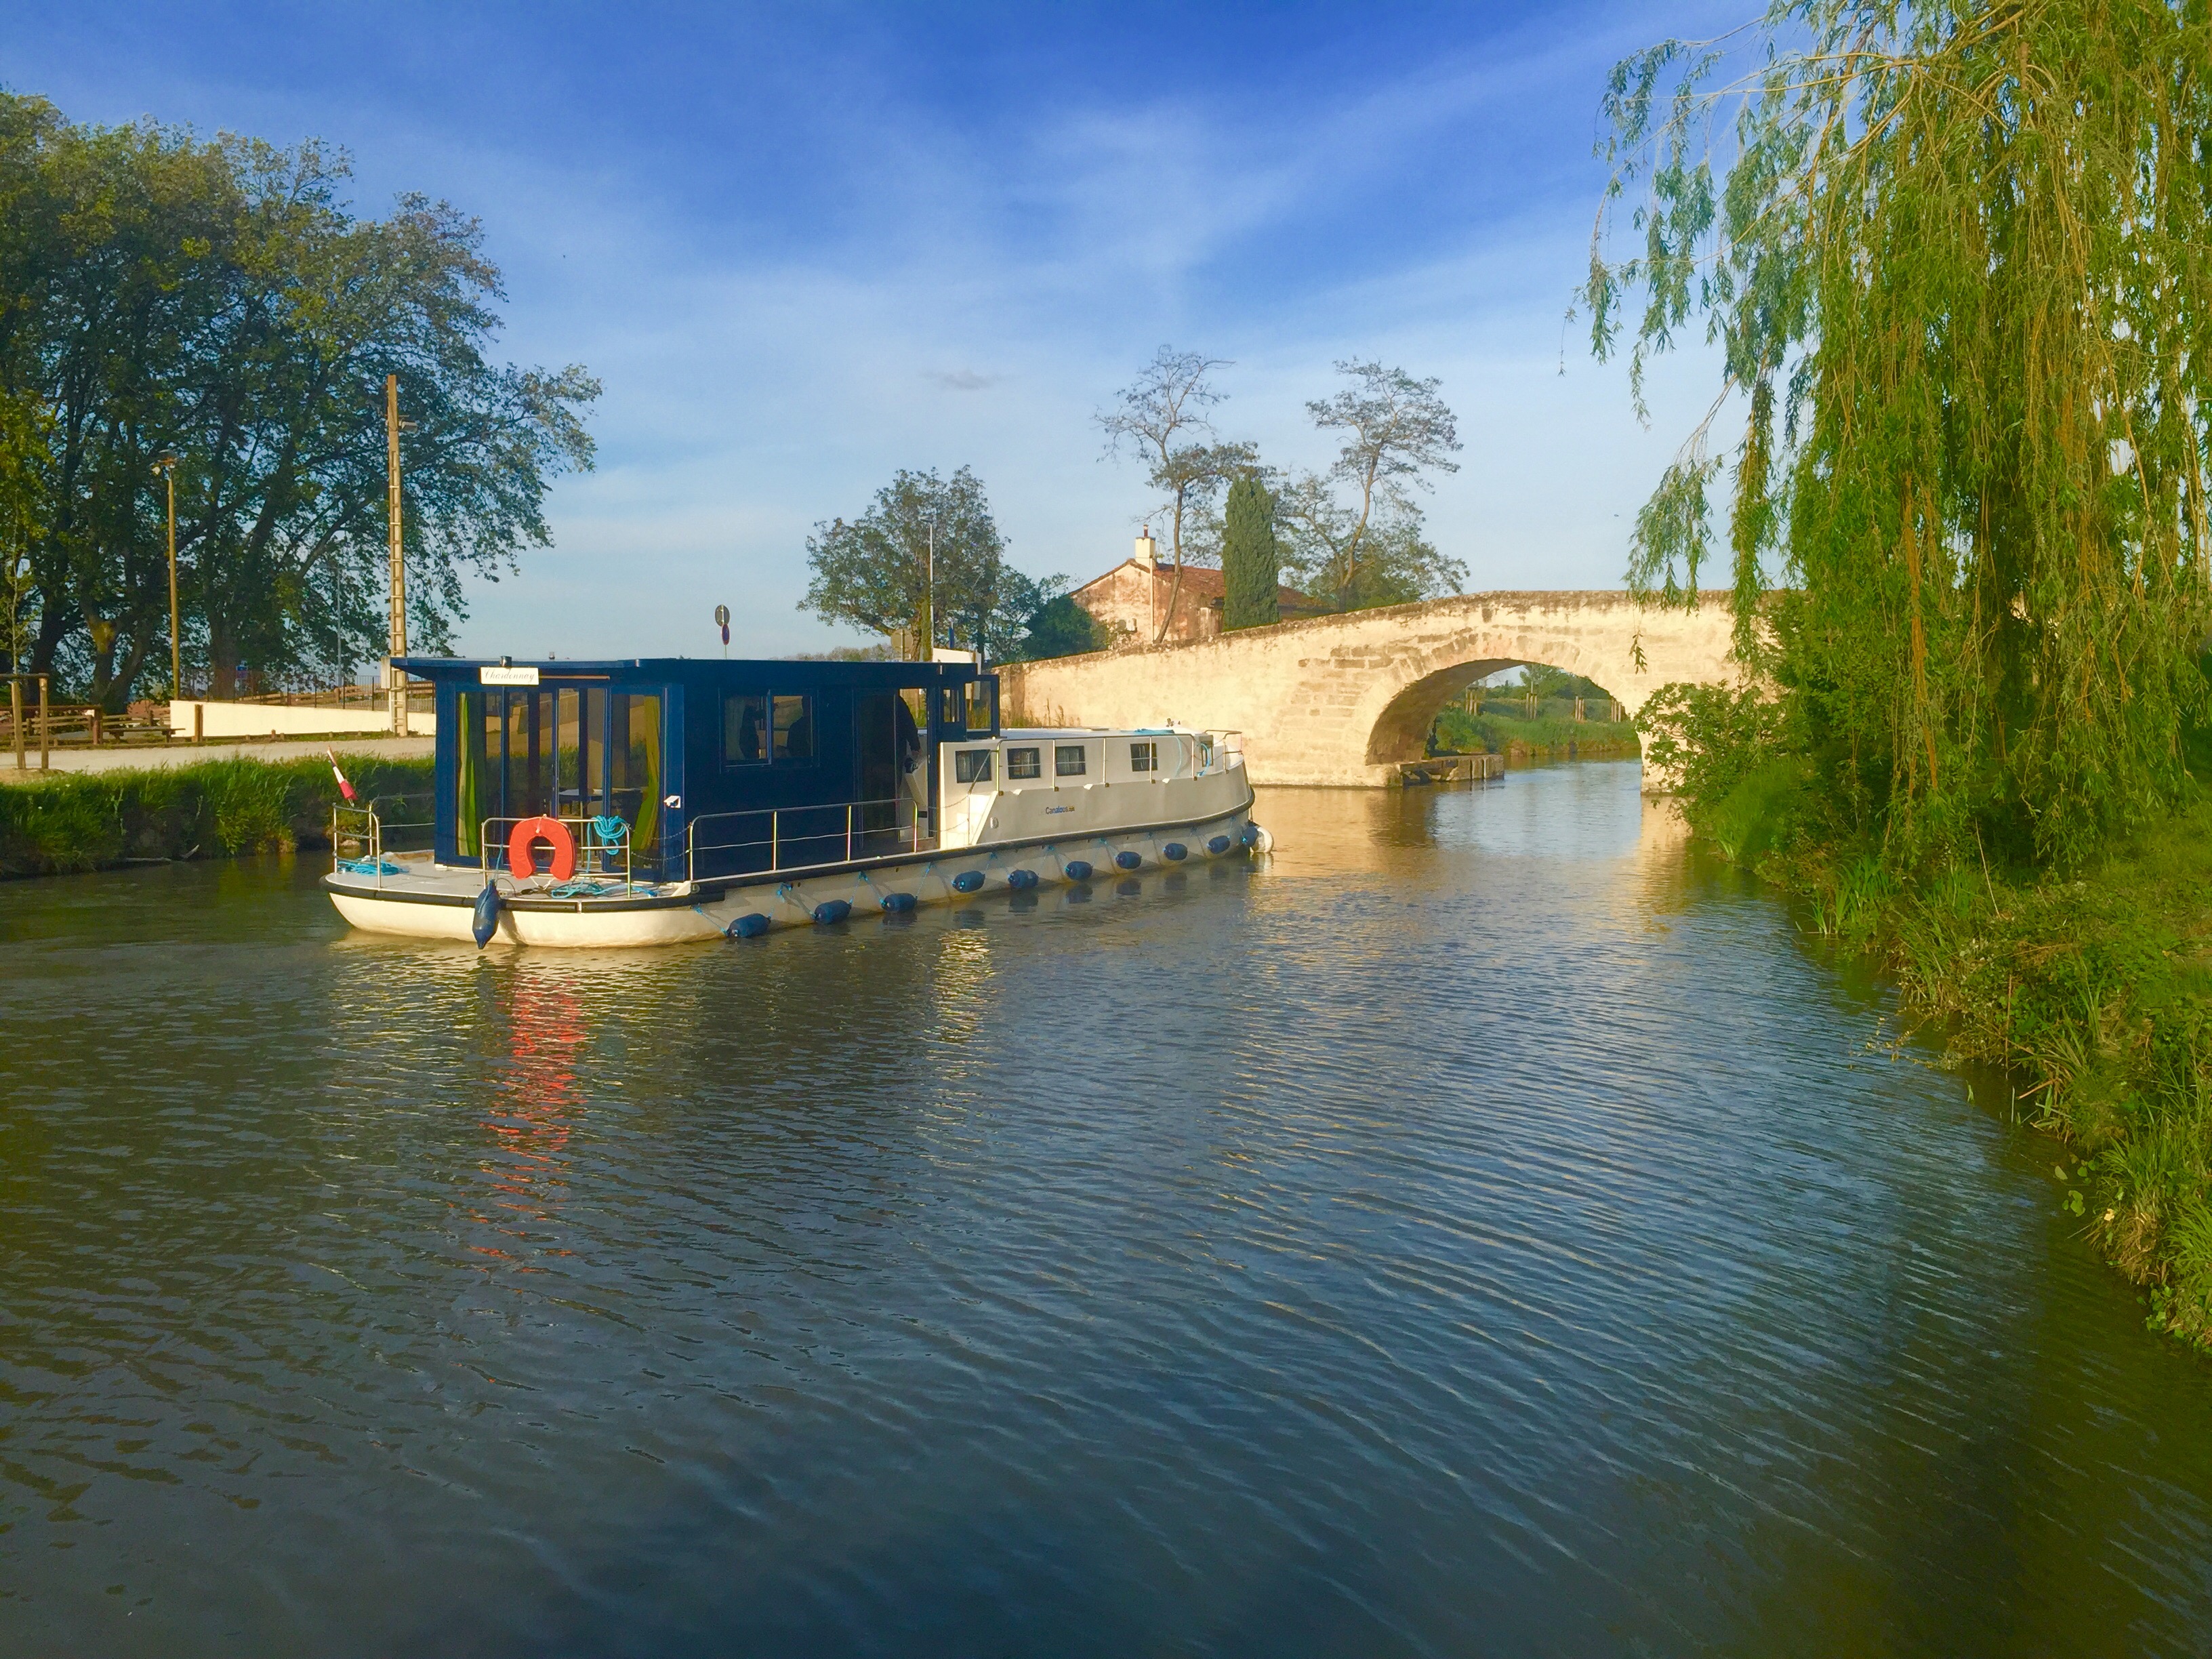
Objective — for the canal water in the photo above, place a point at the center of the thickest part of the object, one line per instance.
(1482, 1229)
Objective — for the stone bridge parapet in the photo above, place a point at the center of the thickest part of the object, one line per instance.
(1344, 699)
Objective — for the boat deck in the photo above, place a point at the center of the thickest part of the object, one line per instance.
(417, 874)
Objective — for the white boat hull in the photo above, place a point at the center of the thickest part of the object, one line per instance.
(396, 908)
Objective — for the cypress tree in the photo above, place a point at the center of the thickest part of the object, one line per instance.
(1251, 561)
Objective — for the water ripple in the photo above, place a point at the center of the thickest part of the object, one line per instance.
(1483, 1228)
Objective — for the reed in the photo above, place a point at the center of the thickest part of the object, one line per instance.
(218, 809)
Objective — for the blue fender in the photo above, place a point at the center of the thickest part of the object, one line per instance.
(1175, 851)
(831, 910)
(968, 881)
(751, 925)
(1128, 860)
(1018, 879)
(1220, 845)
(1077, 870)
(487, 916)
(897, 905)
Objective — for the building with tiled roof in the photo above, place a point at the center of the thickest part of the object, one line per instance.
(1138, 595)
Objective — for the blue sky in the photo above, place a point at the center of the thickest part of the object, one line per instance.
(803, 247)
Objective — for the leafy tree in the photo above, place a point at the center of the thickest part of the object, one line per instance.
(1398, 430)
(874, 571)
(1161, 417)
(1954, 258)
(1059, 627)
(1352, 562)
(1544, 681)
(218, 301)
(1251, 560)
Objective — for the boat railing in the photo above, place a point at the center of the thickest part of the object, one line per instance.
(365, 834)
(604, 846)
(801, 837)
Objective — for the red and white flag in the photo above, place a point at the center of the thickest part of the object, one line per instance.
(344, 788)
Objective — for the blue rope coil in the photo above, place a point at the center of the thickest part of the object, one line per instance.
(582, 889)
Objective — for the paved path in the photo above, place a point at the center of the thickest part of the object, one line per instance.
(148, 757)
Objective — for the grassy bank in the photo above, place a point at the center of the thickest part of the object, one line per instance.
(1547, 737)
(216, 810)
(2094, 993)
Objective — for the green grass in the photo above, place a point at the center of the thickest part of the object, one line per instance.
(218, 809)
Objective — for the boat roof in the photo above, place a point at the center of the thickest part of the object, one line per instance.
(1020, 733)
(699, 670)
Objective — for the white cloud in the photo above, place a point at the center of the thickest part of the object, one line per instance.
(971, 293)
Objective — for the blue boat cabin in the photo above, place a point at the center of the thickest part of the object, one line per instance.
(699, 769)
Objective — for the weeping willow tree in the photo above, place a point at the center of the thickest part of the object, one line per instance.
(1957, 264)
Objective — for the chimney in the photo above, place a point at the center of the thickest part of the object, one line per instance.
(1148, 551)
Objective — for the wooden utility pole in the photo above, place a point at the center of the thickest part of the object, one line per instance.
(929, 601)
(395, 678)
(167, 467)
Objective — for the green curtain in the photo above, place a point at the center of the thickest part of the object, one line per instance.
(470, 784)
(642, 747)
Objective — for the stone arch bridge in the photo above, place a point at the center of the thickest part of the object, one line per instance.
(1344, 699)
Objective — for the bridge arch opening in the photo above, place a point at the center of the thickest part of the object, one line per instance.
(1446, 711)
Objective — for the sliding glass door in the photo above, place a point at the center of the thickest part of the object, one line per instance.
(569, 752)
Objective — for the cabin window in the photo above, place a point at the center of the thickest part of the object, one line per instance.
(573, 752)
(744, 728)
(794, 728)
(1144, 758)
(982, 705)
(950, 710)
(1067, 760)
(971, 766)
(476, 772)
(1024, 762)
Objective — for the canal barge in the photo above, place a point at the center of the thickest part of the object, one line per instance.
(651, 801)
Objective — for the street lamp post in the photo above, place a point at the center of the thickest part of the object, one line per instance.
(395, 676)
(167, 466)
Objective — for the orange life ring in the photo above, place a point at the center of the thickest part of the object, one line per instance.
(522, 848)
